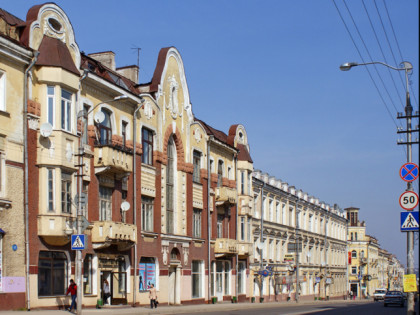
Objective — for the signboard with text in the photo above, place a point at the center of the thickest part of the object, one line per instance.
(410, 284)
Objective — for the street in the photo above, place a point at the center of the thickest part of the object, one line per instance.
(271, 308)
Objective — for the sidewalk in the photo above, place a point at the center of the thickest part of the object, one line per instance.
(122, 310)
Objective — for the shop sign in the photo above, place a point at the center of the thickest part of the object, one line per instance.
(289, 258)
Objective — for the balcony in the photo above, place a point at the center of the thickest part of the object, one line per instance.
(113, 159)
(225, 246)
(244, 249)
(55, 229)
(107, 233)
(225, 195)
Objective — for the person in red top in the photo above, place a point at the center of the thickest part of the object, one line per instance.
(73, 292)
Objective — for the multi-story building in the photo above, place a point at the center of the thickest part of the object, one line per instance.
(370, 266)
(296, 234)
(15, 60)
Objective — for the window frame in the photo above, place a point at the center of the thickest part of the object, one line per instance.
(197, 222)
(53, 259)
(66, 111)
(196, 167)
(103, 200)
(51, 190)
(170, 188)
(197, 274)
(353, 254)
(105, 127)
(3, 91)
(147, 146)
(88, 274)
(147, 212)
(66, 191)
(51, 105)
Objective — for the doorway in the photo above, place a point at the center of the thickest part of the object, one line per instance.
(174, 285)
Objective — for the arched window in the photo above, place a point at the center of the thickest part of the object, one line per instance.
(170, 181)
(353, 254)
(105, 128)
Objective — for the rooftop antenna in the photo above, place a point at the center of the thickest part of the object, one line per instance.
(138, 59)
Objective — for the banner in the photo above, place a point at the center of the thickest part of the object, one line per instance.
(410, 284)
(147, 276)
(349, 258)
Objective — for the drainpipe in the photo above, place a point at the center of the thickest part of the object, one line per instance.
(347, 260)
(236, 226)
(211, 138)
(262, 239)
(135, 195)
(26, 184)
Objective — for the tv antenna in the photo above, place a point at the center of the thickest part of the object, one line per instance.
(138, 55)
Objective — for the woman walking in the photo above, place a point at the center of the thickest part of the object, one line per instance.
(153, 296)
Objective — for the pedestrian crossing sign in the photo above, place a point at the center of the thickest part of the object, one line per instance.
(78, 241)
(409, 221)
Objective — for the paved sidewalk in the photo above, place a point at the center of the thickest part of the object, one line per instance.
(122, 310)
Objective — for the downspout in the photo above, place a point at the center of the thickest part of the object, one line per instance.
(135, 194)
(236, 226)
(26, 184)
(262, 240)
(347, 259)
(208, 218)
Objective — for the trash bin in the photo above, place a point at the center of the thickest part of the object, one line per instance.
(253, 299)
(234, 299)
(261, 300)
(213, 300)
(100, 302)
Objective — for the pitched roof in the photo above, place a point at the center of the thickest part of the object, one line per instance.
(54, 53)
(219, 135)
(243, 154)
(9, 18)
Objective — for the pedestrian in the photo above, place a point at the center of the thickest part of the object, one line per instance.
(73, 292)
(106, 291)
(153, 296)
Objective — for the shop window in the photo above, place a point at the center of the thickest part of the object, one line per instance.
(147, 273)
(197, 166)
(105, 203)
(87, 274)
(66, 183)
(197, 223)
(66, 110)
(52, 273)
(197, 278)
(147, 145)
(241, 277)
(147, 214)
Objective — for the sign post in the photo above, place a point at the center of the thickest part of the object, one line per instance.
(410, 221)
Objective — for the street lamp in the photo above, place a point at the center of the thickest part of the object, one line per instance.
(83, 114)
(407, 67)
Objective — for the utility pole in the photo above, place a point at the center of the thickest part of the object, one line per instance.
(410, 235)
(297, 249)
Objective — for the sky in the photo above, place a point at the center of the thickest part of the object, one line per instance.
(273, 66)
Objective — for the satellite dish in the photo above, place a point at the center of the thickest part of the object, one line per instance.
(45, 130)
(99, 117)
(260, 245)
(125, 206)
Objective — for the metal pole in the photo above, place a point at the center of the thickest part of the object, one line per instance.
(79, 230)
(262, 240)
(297, 250)
(410, 235)
(208, 219)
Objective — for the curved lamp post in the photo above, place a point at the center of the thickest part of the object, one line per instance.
(407, 67)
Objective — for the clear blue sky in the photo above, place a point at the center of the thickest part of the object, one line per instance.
(273, 66)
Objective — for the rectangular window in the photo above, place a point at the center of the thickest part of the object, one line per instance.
(227, 278)
(197, 166)
(220, 225)
(2, 91)
(105, 203)
(248, 230)
(197, 279)
(66, 192)
(249, 183)
(353, 270)
(85, 190)
(242, 183)
(219, 173)
(87, 274)
(242, 228)
(197, 223)
(86, 109)
(66, 110)
(124, 133)
(147, 274)
(51, 104)
(52, 273)
(147, 214)
(147, 144)
(241, 277)
(50, 186)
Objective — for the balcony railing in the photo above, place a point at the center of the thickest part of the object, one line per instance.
(55, 229)
(225, 246)
(225, 195)
(113, 158)
(107, 233)
(244, 249)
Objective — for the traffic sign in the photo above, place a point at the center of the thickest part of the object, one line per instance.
(82, 198)
(78, 242)
(85, 223)
(409, 221)
(409, 172)
(409, 200)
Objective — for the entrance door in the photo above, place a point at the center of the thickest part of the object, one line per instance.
(118, 288)
(219, 280)
(172, 285)
(105, 275)
(353, 288)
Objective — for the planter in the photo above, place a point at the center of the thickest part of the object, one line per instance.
(234, 299)
(261, 300)
(213, 300)
(253, 299)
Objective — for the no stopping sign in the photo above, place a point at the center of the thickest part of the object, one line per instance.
(409, 200)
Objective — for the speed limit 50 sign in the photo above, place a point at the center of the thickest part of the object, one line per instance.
(409, 200)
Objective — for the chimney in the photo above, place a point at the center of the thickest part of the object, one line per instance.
(130, 72)
(107, 58)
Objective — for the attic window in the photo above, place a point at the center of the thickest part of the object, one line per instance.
(55, 25)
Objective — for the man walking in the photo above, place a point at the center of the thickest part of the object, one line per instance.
(153, 296)
(73, 292)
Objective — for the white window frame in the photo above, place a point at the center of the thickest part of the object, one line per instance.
(201, 281)
(52, 172)
(149, 204)
(2, 91)
(68, 112)
(51, 97)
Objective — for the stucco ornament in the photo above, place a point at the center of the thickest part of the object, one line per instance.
(165, 250)
(186, 252)
(173, 105)
(148, 110)
(197, 135)
(54, 28)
